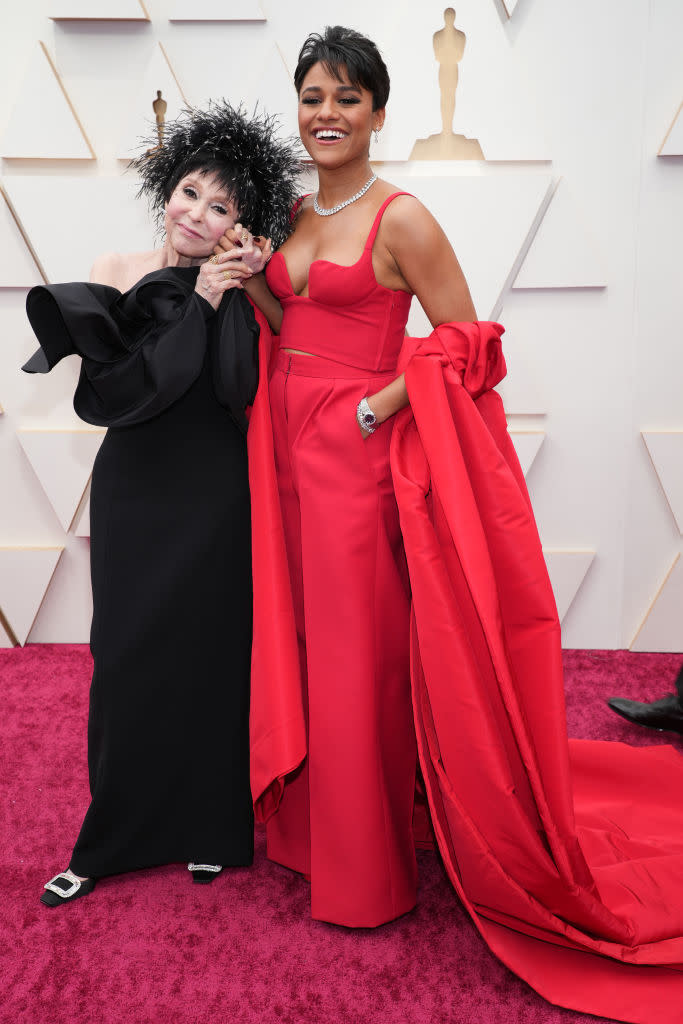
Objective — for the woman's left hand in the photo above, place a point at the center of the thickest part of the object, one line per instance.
(385, 402)
(366, 433)
(248, 252)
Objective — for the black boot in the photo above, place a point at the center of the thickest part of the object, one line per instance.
(664, 714)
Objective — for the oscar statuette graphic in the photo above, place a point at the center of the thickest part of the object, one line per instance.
(449, 50)
(159, 105)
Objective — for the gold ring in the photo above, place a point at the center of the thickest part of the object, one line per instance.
(245, 236)
(227, 274)
(214, 259)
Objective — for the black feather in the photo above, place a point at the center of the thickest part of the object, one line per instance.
(259, 170)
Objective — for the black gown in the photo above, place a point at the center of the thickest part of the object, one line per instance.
(168, 746)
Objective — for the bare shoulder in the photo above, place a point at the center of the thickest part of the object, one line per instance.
(122, 270)
(108, 268)
(407, 217)
(420, 259)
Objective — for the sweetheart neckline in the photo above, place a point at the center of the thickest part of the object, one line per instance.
(342, 266)
(331, 263)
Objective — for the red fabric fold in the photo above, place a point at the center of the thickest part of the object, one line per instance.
(276, 722)
(569, 857)
(570, 870)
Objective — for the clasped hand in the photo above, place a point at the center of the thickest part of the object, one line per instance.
(237, 257)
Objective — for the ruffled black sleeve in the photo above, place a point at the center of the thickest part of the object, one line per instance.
(234, 354)
(142, 350)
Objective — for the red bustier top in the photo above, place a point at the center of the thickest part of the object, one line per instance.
(346, 316)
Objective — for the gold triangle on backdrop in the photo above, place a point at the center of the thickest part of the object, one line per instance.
(19, 265)
(44, 124)
(672, 144)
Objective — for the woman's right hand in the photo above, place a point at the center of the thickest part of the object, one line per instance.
(217, 276)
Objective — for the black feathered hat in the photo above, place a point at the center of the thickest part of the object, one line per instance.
(258, 170)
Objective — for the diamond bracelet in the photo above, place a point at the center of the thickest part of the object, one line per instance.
(366, 418)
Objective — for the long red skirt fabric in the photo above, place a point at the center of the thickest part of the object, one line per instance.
(569, 857)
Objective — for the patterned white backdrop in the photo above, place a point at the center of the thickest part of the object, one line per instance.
(569, 232)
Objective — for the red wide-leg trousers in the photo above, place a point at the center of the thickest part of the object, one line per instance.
(345, 817)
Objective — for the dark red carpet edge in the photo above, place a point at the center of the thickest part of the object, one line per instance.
(151, 948)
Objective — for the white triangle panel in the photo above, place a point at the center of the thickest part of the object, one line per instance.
(662, 627)
(18, 269)
(519, 388)
(43, 124)
(216, 10)
(62, 460)
(509, 6)
(97, 10)
(273, 91)
(527, 445)
(665, 448)
(25, 574)
(673, 141)
(83, 524)
(488, 220)
(158, 76)
(567, 570)
(110, 218)
(562, 254)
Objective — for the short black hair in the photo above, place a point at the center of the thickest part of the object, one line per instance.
(258, 169)
(342, 48)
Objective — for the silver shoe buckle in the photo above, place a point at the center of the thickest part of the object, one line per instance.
(64, 893)
(204, 867)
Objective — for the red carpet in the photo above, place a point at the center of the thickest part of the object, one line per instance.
(151, 948)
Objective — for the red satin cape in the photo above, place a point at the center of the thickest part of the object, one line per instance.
(568, 856)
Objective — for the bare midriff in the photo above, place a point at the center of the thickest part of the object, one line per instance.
(298, 352)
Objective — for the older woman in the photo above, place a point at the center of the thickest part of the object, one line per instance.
(168, 345)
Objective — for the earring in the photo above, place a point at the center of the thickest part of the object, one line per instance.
(376, 134)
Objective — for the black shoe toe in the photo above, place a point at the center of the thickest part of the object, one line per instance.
(665, 714)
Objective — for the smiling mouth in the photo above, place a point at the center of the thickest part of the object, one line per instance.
(328, 134)
(189, 231)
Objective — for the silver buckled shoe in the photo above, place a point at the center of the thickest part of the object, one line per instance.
(64, 888)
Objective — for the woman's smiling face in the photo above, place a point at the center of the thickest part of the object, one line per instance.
(335, 117)
(198, 213)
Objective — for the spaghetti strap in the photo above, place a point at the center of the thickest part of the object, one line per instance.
(378, 219)
(297, 206)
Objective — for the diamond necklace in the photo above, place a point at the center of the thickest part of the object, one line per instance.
(347, 202)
